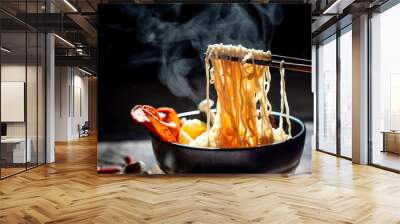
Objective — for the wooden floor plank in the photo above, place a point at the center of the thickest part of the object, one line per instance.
(70, 191)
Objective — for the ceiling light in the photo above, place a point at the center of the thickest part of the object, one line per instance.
(329, 9)
(65, 41)
(79, 51)
(84, 71)
(70, 5)
(338, 6)
(5, 50)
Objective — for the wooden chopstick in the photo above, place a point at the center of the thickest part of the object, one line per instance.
(291, 66)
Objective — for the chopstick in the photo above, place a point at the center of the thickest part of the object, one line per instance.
(304, 67)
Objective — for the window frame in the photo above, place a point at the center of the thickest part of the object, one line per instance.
(333, 37)
(381, 9)
(27, 29)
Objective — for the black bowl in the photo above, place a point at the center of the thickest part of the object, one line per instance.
(281, 157)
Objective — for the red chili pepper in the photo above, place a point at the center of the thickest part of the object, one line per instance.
(109, 169)
(129, 159)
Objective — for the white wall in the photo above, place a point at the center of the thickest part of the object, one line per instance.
(9, 73)
(80, 94)
(71, 94)
(62, 82)
(16, 72)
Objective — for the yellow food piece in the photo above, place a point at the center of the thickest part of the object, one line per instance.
(184, 138)
(194, 127)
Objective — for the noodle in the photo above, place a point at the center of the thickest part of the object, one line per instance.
(208, 109)
(284, 102)
(240, 86)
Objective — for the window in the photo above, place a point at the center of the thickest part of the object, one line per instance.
(385, 89)
(345, 92)
(326, 80)
(22, 77)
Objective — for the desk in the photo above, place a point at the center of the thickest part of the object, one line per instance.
(391, 141)
(13, 150)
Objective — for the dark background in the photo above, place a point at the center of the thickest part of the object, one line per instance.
(154, 54)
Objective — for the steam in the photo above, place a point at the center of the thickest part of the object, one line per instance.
(249, 25)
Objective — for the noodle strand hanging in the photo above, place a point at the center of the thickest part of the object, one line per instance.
(240, 87)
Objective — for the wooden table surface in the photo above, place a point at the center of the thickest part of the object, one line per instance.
(70, 191)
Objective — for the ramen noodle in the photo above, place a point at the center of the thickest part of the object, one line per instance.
(243, 110)
(240, 87)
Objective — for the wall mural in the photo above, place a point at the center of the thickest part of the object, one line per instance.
(204, 88)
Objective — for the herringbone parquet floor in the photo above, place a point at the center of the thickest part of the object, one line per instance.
(70, 191)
